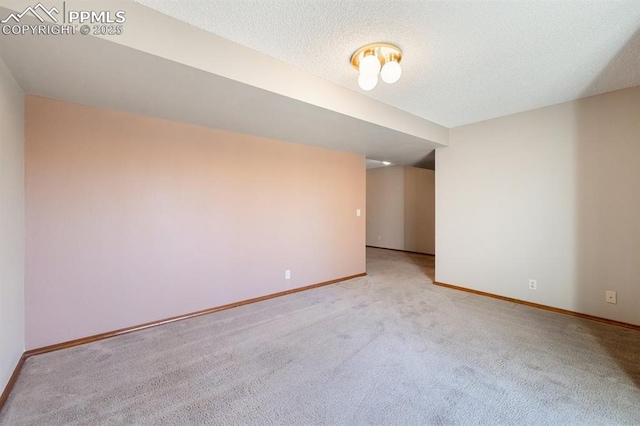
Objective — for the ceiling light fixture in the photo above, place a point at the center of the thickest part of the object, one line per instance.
(374, 59)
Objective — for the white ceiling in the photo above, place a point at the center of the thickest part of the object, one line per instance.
(165, 68)
(463, 61)
(374, 164)
(93, 71)
(482, 59)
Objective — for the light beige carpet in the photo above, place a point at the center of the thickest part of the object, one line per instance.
(389, 348)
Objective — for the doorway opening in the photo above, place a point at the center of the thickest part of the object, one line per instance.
(401, 211)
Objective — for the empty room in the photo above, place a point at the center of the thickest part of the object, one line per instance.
(323, 212)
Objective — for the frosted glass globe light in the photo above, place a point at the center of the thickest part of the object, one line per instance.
(391, 72)
(367, 83)
(369, 66)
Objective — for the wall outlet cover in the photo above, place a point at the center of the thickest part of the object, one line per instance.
(611, 297)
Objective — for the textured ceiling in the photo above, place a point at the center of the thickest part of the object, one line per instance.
(98, 72)
(463, 61)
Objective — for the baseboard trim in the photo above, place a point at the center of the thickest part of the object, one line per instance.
(540, 306)
(12, 381)
(127, 330)
(402, 251)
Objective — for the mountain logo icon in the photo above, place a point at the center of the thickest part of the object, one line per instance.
(34, 11)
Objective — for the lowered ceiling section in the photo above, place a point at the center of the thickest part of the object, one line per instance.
(166, 68)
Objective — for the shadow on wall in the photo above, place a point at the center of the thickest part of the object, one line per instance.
(607, 206)
(428, 161)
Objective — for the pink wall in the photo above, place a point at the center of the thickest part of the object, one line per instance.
(132, 219)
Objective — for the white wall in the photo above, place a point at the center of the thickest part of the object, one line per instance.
(165, 218)
(400, 208)
(385, 207)
(551, 194)
(11, 224)
(419, 210)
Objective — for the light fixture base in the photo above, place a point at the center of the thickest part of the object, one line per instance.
(381, 50)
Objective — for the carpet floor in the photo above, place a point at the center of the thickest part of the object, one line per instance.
(389, 348)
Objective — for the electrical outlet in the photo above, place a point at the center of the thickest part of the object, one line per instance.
(611, 297)
(287, 274)
(533, 285)
(358, 212)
